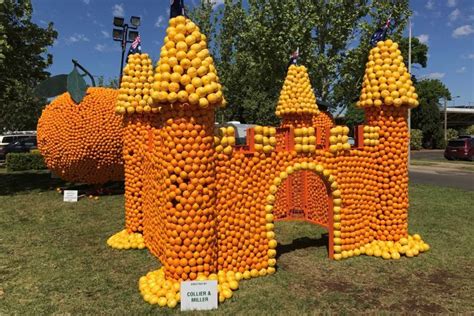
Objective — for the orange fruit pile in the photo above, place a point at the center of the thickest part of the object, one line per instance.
(296, 96)
(83, 142)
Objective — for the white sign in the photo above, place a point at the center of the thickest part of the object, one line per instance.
(70, 195)
(198, 295)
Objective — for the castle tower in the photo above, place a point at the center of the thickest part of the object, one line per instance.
(297, 103)
(387, 94)
(180, 220)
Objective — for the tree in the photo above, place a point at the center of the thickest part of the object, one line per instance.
(426, 116)
(253, 42)
(23, 66)
(112, 83)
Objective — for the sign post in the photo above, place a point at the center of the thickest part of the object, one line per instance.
(70, 196)
(198, 295)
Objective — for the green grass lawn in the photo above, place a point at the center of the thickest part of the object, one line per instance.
(54, 259)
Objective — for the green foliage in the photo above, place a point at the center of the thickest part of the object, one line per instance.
(354, 116)
(253, 42)
(23, 45)
(452, 133)
(426, 116)
(51, 87)
(416, 139)
(76, 86)
(24, 161)
(111, 83)
(470, 130)
(419, 51)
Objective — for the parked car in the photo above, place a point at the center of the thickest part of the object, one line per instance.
(20, 146)
(461, 148)
(13, 137)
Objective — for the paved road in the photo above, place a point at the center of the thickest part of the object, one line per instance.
(442, 177)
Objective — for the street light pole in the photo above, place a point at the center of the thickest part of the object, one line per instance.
(124, 48)
(409, 109)
(123, 33)
(445, 119)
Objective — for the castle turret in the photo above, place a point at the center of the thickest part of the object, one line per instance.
(297, 103)
(387, 94)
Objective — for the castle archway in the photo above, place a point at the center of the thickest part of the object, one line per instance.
(306, 192)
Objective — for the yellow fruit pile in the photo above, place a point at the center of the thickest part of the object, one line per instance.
(265, 140)
(185, 72)
(410, 247)
(371, 135)
(135, 89)
(305, 140)
(126, 240)
(156, 289)
(386, 79)
(226, 142)
(339, 139)
(297, 96)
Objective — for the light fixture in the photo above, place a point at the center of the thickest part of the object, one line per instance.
(135, 21)
(132, 35)
(118, 21)
(117, 34)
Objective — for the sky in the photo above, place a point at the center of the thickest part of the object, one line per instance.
(85, 28)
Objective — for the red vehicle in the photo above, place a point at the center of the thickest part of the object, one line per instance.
(461, 148)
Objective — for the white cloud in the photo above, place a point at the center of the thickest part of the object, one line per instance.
(453, 16)
(100, 47)
(86, 1)
(434, 75)
(105, 34)
(159, 21)
(77, 38)
(463, 31)
(118, 10)
(429, 5)
(461, 70)
(423, 38)
(451, 3)
(470, 56)
(105, 48)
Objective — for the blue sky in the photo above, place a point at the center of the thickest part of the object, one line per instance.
(85, 28)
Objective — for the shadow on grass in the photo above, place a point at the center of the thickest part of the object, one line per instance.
(17, 182)
(302, 243)
(23, 181)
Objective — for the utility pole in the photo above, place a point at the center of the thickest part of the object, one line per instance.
(445, 119)
(409, 109)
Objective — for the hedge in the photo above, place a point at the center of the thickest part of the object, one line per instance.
(25, 161)
(416, 139)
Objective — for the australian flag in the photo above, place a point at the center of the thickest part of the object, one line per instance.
(136, 46)
(177, 8)
(381, 33)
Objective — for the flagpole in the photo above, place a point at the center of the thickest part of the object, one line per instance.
(409, 109)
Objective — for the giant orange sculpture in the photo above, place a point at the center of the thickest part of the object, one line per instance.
(206, 208)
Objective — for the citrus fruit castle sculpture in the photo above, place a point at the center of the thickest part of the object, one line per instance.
(206, 207)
